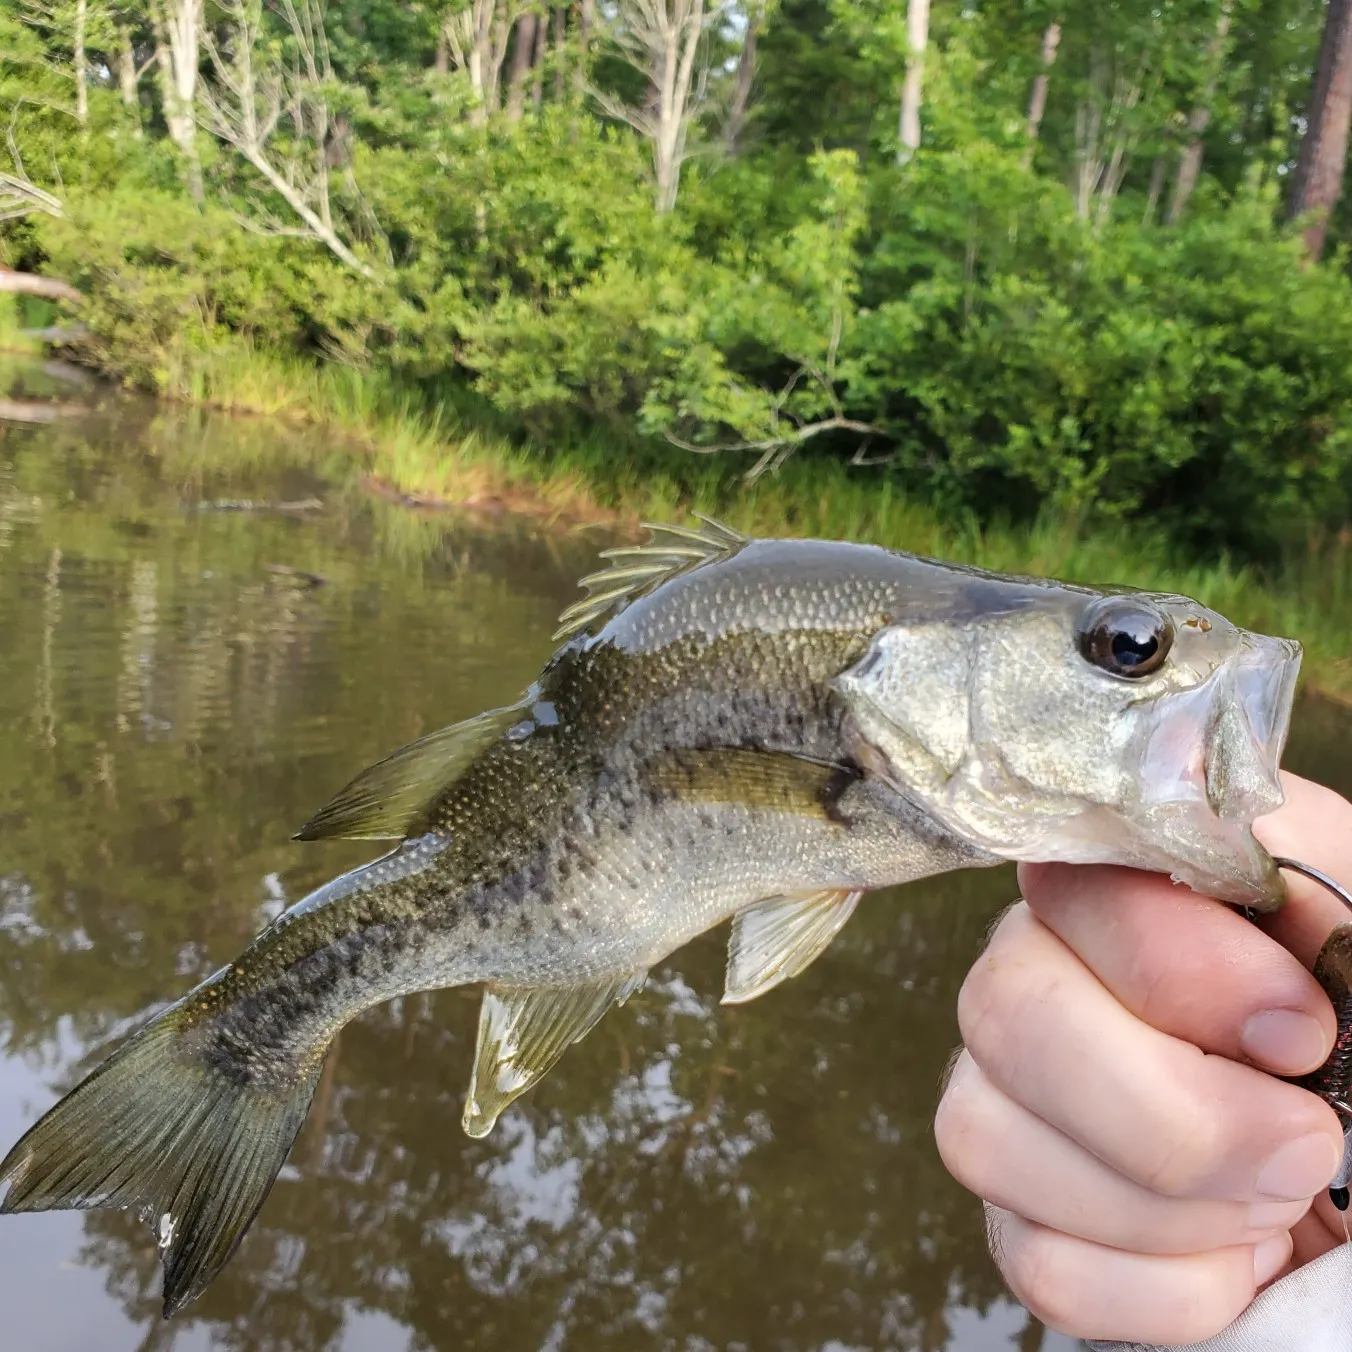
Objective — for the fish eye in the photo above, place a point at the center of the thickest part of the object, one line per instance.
(1124, 637)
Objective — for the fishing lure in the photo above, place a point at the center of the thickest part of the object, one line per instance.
(1333, 1080)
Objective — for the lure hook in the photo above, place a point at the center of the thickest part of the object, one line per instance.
(1315, 875)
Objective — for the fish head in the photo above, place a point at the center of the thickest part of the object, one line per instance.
(1063, 724)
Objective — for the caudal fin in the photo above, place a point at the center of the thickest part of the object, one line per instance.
(157, 1128)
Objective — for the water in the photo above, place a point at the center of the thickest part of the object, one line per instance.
(182, 682)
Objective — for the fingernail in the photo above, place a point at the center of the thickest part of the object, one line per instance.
(1270, 1257)
(1284, 1040)
(1299, 1168)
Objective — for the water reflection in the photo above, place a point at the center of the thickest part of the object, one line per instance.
(180, 685)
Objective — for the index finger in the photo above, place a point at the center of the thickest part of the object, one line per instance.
(1196, 969)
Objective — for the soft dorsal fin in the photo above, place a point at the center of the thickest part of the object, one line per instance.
(523, 1030)
(635, 569)
(780, 937)
(387, 801)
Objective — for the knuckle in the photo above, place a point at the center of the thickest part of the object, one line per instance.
(1006, 1007)
(962, 1131)
(1179, 1157)
(1036, 1265)
(989, 996)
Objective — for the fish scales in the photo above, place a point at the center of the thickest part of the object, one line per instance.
(754, 730)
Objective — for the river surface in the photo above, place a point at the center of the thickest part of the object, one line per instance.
(201, 637)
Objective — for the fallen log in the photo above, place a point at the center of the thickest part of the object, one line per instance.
(32, 411)
(30, 284)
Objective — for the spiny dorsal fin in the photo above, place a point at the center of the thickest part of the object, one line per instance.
(387, 800)
(523, 1030)
(780, 937)
(636, 569)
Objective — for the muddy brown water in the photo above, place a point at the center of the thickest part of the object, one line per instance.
(199, 641)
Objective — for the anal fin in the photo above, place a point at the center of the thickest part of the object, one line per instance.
(523, 1030)
(781, 937)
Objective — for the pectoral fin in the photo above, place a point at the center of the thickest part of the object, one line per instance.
(523, 1030)
(777, 781)
(386, 801)
(779, 938)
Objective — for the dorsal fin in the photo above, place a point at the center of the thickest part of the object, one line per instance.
(388, 799)
(635, 569)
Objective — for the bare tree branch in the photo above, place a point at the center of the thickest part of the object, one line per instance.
(19, 195)
(244, 105)
(777, 449)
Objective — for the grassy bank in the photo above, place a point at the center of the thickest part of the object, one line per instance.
(438, 447)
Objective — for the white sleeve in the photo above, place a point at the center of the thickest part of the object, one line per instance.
(1308, 1311)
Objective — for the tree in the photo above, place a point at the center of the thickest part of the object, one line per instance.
(68, 25)
(1190, 162)
(746, 74)
(178, 41)
(476, 39)
(523, 55)
(662, 39)
(1318, 181)
(1037, 100)
(917, 36)
(124, 62)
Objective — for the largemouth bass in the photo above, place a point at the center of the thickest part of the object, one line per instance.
(747, 730)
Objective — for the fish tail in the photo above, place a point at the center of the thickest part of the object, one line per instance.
(188, 1139)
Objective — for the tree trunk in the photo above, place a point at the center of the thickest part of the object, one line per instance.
(178, 33)
(746, 74)
(537, 89)
(1037, 101)
(560, 52)
(497, 54)
(126, 68)
(1088, 165)
(81, 81)
(441, 62)
(584, 27)
(522, 53)
(1318, 180)
(917, 35)
(673, 77)
(1190, 162)
(1152, 197)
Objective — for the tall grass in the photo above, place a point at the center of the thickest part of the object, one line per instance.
(438, 445)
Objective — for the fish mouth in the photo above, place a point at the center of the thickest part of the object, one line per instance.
(1252, 711)
(1210, 768)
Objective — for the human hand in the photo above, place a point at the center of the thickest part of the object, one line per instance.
(1142, 1176)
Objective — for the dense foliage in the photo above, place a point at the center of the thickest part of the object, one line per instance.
(1024, 310)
